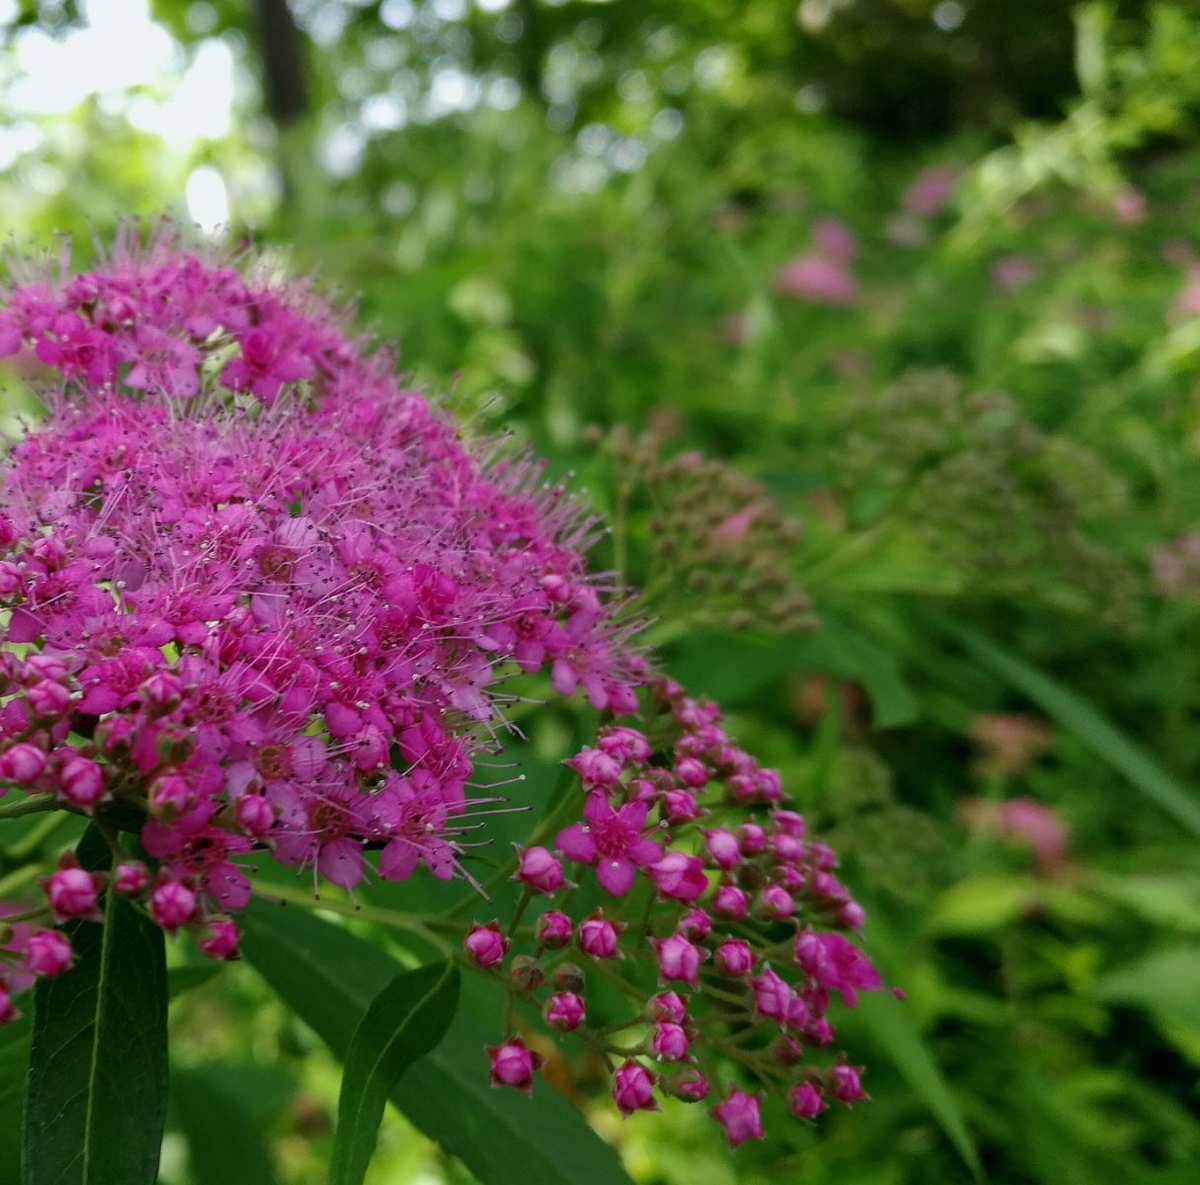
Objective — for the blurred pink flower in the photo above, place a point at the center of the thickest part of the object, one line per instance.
(817, 279)
(1129, 205)
(1010, 273)
(930, 190)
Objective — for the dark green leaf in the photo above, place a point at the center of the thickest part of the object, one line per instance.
(330, 977)
(407, 1019)
(98, 1064)
(225, 1145)
(184, 979)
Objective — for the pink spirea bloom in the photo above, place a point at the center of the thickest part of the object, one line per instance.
(611, 840)
(513, 1064)
(818, 280)
(260, 573)
(48, 953)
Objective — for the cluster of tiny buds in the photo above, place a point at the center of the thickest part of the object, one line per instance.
(713, 878)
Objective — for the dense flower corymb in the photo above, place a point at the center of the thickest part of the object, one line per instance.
(258, 591)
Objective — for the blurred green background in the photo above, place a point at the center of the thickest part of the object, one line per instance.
(915, 288)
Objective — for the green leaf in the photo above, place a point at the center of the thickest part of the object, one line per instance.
(1163, 983)
(184, 979)
(225, 1145)
(1073, 712)
(97, 1096)
(894, 1028)
(407, 1019)
(329, 977)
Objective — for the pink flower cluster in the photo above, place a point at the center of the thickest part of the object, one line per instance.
(706, 871)
(258, 592)
(822, 275)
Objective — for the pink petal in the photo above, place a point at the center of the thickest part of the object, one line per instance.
(616, 876)
(341, 862)
(398, 861)
(576, 844)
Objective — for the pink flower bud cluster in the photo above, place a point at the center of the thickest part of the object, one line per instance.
(264, 594)
(707, 872)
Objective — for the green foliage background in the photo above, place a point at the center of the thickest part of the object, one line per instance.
(570, 216)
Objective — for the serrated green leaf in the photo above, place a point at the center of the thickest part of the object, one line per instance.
(407, 1019)
(97, 1097)
(329, 977)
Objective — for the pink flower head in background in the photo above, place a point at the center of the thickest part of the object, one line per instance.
(930, 190)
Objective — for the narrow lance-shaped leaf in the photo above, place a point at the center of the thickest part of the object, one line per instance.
(407, 1019)
(329, 977)
(97, 1096)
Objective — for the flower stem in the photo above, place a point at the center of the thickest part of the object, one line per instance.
(30, 806)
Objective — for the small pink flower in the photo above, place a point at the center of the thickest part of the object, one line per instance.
(752, 839)
(486, 945)
(739, 1116)
(612, 840)
(48, 953)
(805, 1100)
(633, 1089)
(81, 783)
(852, 915)
(596, 767)
(538, 869)
(735, 958)
(679, 876)
(598, 937)
(513, 1064)
(131, 878)
(172, 905)
(669, 1041)
(678, 959)
(565, 1011)
(554, 930)
(162, 691)
(220, 939)
(72, 893)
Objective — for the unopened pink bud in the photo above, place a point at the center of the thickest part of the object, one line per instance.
(172, 904)
(161, 692)
(734, 958)
(669, 1041)
(81, 782)
(633, 1089)
(739, 1116)
(695, 925)
(255, 815)
(131, 878)
(598, 937)
(776, 902)
(845, 1083)
(72, 893)
(486, 945)
(723, 849)
(730, 902)
(538, 868)
(513, 1064)
(48, 953)
(752, 839)
(220, 939)
(678, 959)
(172, 792)
(805, 1100)
(679, 876)
(565, 1011)
(667, 1006)
(688, 1085)
(48, 700)
(8, 1010)
(23, 764)
(554, 930)
(691, 772)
